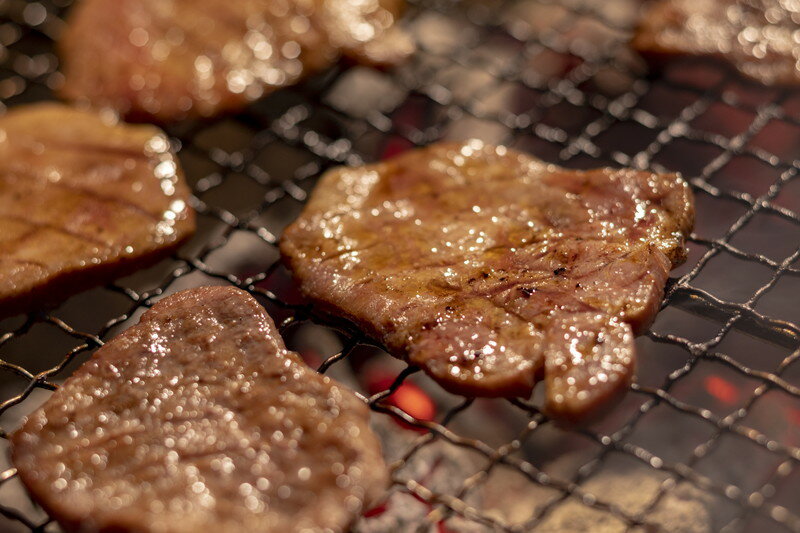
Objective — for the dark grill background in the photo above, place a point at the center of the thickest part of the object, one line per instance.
(708, 439)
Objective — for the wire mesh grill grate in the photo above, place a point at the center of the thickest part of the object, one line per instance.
(715, 414)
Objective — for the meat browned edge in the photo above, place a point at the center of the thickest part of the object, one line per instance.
(199, 419)
(83, 200)
(493, 270)
(757, 37)
(163, 61)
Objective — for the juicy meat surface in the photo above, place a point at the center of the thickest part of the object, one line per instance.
(158, 60)
(199, 419)
(492, 270)
(758, 37)
(83, 199)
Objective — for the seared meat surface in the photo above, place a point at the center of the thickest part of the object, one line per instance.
(492, 270)
(157, 60)
(758, 37)
(199, 419)
(83, 199)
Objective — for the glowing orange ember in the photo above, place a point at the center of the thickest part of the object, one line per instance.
(408, 397)
(395, 146)
(794, 416)
(414, 401)
(376, 511)
(721, 389)
(443, 528)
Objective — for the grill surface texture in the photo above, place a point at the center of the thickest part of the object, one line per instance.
(708, 437)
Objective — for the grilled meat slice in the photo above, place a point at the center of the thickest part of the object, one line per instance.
(199, 419)
(758, 37)
(492, 270)
(163, 61)
(83, 199)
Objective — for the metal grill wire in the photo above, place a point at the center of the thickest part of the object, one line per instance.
(554, 79)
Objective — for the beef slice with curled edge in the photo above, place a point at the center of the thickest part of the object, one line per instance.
(493, 270)
(83, 199)
(198, 418)
(164, 61)
(757, 37)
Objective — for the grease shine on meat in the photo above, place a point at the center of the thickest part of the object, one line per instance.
(83, 199)
(761, 38)
(493, 270)
(199, 419)
(167, 60)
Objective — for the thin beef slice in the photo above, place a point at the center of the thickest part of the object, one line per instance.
(199, 419)
(493, 270)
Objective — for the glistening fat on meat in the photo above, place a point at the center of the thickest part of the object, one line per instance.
(199, 419)
(83, 199)
(758, 37)
(493, 270)
(165, 61)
